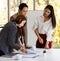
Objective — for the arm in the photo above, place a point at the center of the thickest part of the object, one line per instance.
(12, 37)
(35, 28)
(20, 43)
(22, 46)
(38, 36)
(49, 36)
(25, 34)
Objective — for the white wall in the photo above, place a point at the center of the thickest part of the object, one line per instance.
(31, 17)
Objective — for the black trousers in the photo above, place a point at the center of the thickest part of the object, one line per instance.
(1, 53)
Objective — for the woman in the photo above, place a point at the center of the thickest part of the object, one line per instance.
(44, 26)
(9, 36)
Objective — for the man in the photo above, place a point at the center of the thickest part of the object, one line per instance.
(23, 8)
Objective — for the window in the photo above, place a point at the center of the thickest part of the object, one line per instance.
(13, 6)
(3, 12)
(40, 4)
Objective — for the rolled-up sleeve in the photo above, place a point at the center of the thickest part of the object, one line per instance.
(49, 34)
(35, 25)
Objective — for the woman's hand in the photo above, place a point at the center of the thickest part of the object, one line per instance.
(23, 49)
(47, 45)
(40, 40)
(14, 51)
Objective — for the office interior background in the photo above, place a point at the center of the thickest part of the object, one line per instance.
(10, 7)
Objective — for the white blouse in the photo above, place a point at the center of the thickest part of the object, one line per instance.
(44, 27)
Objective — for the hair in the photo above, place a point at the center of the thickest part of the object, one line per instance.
(20, 18)
(52, 15)
(22, 5)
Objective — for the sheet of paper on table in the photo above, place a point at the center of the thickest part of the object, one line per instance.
(31, 53)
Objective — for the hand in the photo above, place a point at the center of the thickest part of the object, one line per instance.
(23, 49)
(47, 46)
(40, 40)
(14, 51)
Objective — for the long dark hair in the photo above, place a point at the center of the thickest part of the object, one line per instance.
(52, 15)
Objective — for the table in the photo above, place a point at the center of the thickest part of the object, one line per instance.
(50, 55)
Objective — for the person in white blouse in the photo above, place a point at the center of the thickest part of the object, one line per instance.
(44, 26)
